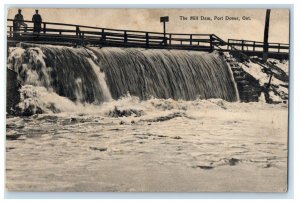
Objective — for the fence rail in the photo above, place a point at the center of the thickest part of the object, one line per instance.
(62, 33)
(248, 45)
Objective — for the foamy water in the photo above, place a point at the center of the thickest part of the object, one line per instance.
(88, 121)
(154, 145)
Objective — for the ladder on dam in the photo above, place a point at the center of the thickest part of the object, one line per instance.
(80, 35)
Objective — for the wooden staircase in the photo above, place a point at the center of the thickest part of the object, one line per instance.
(248, 87)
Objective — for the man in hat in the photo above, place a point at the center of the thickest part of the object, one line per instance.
(37, 20)
(18, 21)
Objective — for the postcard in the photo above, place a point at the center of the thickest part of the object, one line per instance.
(147, 100)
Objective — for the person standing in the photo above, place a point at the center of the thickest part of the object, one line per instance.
(18, 21)
(37, 21)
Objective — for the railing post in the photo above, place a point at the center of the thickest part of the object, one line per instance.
(82, 38)
(77, 30)
(228, 45)
(242, 45)
(44, 27)
(165, 42)
(147, 39)
(211, 43)
(125, 36)
(10, 31)
(103, 35)
(191, 40)
(254, 46)
(278, 47)
(170, 39)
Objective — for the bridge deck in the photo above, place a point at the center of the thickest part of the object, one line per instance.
(71, 35)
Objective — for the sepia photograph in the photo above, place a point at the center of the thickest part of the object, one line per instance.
(147, 99)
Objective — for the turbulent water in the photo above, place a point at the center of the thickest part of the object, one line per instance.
(115, 119)
(94, 75)
(157, 145)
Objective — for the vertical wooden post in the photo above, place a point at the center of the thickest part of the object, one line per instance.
(44, 27)
(10, 31)
(191, 40)
(77, 30)
(14, 30)
(270, 79)
(147, 39)
(266, 36)
(242, 45)
(211, 43)
(103, 35)
(163, 20)
(278, 47)
(170, 39)
(228, 45)
(254, 46)
(164, 32)
(82, 38)
(125, 36)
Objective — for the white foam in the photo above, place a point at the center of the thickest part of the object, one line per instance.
(101, 79)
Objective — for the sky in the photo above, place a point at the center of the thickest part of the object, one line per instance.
(149, 20)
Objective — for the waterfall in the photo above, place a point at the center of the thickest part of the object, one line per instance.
(95, 75)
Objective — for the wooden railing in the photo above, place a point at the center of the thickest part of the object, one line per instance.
(255, 46)
(79, 34)
(71, 34)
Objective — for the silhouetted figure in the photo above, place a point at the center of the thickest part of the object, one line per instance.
(37, 20)
(18, 22)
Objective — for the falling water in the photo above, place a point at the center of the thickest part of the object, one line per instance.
(94, 75)
(166, 74)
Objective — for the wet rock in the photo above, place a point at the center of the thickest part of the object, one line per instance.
(9, 148)
(162, 136)
(165, 118)
(101, 149)
(268, 165)
(205, 167)
(233, 161)
(13, 135)
(117, 112)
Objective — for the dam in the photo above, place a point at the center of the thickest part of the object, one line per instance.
(85, 69)
(96, 75)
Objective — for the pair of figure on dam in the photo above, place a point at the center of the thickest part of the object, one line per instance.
(19, 21)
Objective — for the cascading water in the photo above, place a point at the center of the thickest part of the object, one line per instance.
(166, 74)
(66, 71)
(94, 75)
